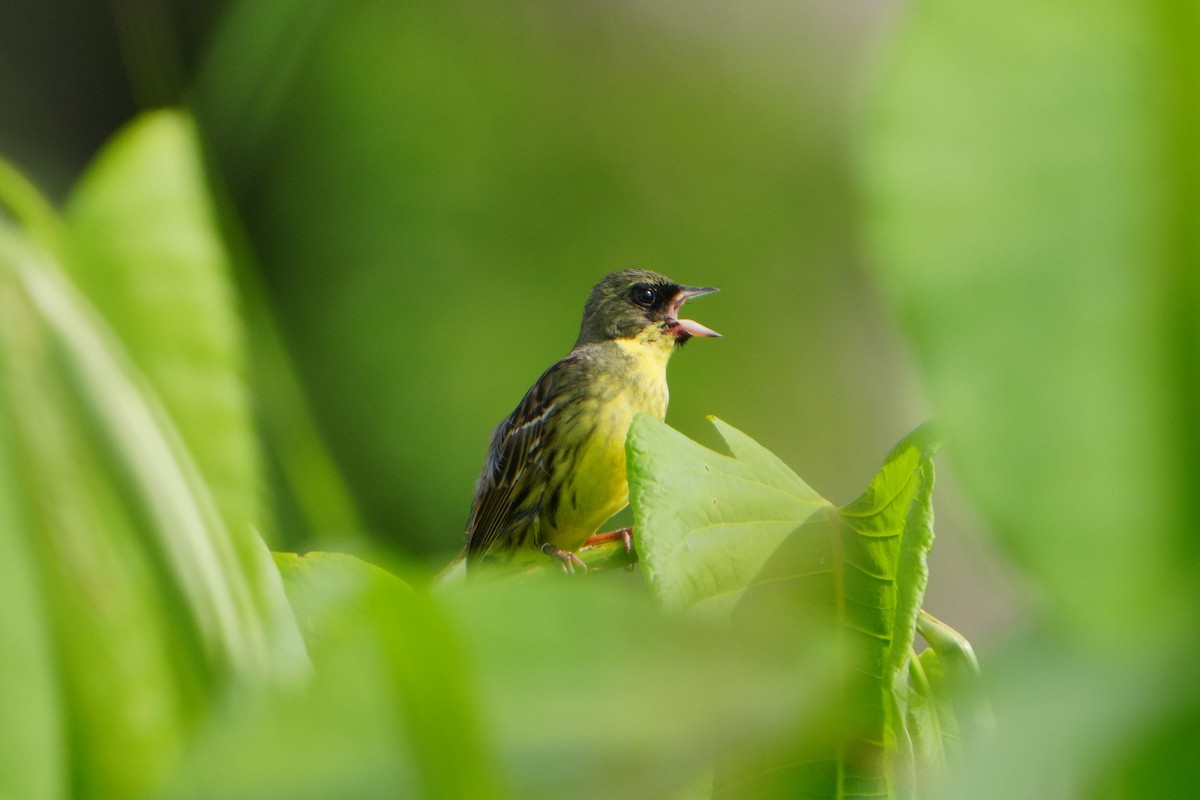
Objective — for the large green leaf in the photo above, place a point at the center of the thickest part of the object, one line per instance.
(150, 600)
(707, 524)
(225, 575)
(531, 687)
(425, 678)
(32, 731)
(591, 691)
(131, 657)
(387, 714)
(739, 533)
(145, 250)
(1024, 226)
(1034, 190)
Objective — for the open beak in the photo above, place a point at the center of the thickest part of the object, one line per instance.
(685, 328)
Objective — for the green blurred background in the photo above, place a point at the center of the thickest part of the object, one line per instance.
(426, 191)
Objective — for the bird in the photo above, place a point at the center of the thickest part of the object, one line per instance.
(555, 467)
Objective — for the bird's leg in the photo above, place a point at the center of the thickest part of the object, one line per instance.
(565, 558)
(624, 534)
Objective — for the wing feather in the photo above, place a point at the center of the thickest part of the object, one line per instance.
(515, 477)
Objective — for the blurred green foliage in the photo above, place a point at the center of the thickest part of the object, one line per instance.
(1034, 195)
(380, 228)
(144, 588)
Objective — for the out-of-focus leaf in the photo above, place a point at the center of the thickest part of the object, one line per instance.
(329, 594)
(29, 210)
(731, 533)
(130, 661)
(586, 690)
(960, 673)
(1163, 764)
(254, 61)
(1066, 720)
(333, 596)
(146, 252)
(151, 601)
(388, 713)
(591, 691)
(1023, 225)
(336, 737)
(1034, 213)
(33, 748)
(225, 576)
(932, 726)
(942, 700)
(144, 246)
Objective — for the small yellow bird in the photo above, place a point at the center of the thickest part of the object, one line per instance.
(555, 469)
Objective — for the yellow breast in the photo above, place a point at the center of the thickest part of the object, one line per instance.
(597, 489)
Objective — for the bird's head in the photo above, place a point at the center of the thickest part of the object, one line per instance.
(638, 303)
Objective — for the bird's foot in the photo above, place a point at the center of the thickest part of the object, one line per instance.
(624, 534)
(567, 561)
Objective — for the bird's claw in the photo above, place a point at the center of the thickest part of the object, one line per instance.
(567, 561)
(624, 534)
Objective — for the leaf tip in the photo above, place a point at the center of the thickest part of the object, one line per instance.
(928, 436)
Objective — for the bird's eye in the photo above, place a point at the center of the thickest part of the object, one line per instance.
(642, 296)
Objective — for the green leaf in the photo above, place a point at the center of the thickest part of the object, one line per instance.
(742, 533)
(707, 524)
(224, 573)
(151, 602)
(1066, 719)
(33, 748)
(130, 659)
(932, 725)
(1041, 279)
(333, 596)
(942, 701)
(146, 252)
(29, 210)
(1033, 209)
(960, 670)
(591, 691)
(535, 687)
(388, 679)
